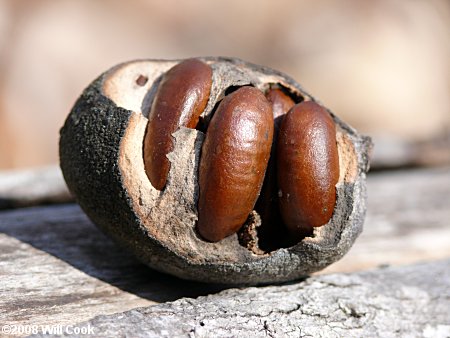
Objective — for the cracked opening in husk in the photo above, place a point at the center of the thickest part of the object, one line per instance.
(172, 214)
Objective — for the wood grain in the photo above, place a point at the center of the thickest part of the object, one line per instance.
(408, 220)
(57, 268)
(23, 188)
(409, 301)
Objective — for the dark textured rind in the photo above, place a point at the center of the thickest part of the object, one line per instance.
(89, 160)
(89, 154)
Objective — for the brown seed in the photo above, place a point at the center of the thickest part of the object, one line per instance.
(281, 102)
(308, 167)
(267, 204)
(233, 162)
(180, 99)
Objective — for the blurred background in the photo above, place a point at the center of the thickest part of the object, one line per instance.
(383, 66)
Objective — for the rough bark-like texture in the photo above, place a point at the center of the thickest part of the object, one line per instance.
(33, 187)
(393, 302)
(56, 267)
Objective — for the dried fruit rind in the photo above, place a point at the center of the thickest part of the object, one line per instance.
(102, 162)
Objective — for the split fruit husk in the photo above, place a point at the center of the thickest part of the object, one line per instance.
(101, 158)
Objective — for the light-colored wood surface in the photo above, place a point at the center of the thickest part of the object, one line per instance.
(57, 268)
(406, 301)
(22, 188)
(408, 220)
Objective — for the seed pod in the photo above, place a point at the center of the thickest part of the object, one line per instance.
(234, 159)
(308, 167)
(101, 155)
(181, 98)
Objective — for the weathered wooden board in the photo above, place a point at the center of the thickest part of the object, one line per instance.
(408, 220)
(57, 268)
(21, 188)
(410, 301)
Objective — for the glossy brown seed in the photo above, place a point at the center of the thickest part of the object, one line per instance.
(281, 103)
(233, 162)
(307, 167)
(267, 204)
(180, 99)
